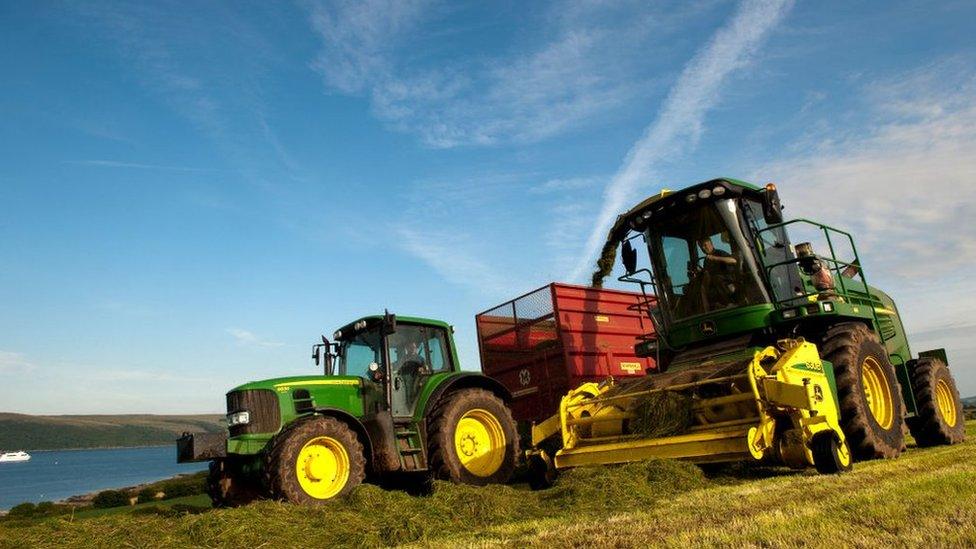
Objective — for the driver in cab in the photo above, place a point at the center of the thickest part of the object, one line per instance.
(718, 273)
(410, 364)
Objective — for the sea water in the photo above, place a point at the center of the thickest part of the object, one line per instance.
(54, 475)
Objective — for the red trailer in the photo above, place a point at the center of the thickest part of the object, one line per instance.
(551, 340)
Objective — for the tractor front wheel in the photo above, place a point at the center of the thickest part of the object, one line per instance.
(940, 418)
(871, 406)
(314, 460)
(473, 439)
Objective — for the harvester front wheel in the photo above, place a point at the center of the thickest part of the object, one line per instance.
(473, 439)
(314, 460)
(829, 455)
(871, 406)
(940, 417)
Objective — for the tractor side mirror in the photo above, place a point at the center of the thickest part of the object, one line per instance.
(328, 356)
(317, 354)
(628, 255)
(772, 207)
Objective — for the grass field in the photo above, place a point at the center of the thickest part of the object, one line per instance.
(927, 497)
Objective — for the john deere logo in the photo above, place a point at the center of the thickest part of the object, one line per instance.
(707, 327)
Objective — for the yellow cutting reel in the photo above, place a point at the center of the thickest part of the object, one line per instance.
(778, 406)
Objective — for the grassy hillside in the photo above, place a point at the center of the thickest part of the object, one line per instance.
(26, 432)
(925, 498)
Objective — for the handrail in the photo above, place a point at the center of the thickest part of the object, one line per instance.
(838, 264)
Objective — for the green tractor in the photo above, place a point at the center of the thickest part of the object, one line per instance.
(393, 404)
(724, 276)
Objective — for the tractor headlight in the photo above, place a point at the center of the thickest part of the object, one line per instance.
(828, 307)
(690, 198)
(789, 313)
(718, 191)
(704, 193)
(238, 418)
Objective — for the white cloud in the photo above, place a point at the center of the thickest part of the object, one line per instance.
(250, 339)
(680, 121)
(450, 255)
(11, 362)
(586, 64)
(137, 166)
(906, 185)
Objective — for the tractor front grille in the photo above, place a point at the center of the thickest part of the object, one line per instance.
(262, 406)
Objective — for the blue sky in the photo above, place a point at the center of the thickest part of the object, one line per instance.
(190, 193)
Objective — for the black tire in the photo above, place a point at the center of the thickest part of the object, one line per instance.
(850, 347)
(444, 461)
(827, 455)
(227, 487)
(281, 461)
(934, 426)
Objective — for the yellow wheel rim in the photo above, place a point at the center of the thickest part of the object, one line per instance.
(322, 467)
(479, 441)
(844, 454)
(946, 402)
(877, 392)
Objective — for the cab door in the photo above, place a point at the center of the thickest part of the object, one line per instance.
(415, 353)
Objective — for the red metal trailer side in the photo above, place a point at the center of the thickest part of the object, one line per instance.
(551, 340)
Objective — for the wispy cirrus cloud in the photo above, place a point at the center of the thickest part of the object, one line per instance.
(593, 57)
(680, 120)
(250, 339)
(137, 166)
(11, 362)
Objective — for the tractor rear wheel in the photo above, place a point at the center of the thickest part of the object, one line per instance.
(940, 418)
(473, 439)
(871, 406)
(829, 455)
(227, 487)
(314, 460)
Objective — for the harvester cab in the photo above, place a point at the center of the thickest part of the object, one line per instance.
(736, 306)
(392, 402)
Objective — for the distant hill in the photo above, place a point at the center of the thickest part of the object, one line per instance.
(969, 402)
(27, 432)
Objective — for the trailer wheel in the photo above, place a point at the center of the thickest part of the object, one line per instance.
(314, 460)
(473, 439)
(829, 455)
(228, 488)
(871, 406)
(940, 418)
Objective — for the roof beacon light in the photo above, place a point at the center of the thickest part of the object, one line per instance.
(770, 187)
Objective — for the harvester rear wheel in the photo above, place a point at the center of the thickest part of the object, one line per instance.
(314, 460)
(473, 439)
(829, 455)
(228, 488)
(940, 418)
(871, 406)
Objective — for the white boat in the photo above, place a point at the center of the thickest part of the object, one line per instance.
(14, 456)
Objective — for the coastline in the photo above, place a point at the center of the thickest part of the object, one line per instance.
(85, 499)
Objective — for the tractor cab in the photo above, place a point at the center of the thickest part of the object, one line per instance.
(394, 359)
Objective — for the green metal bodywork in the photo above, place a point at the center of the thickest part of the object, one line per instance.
(856, 301)
(352, 398)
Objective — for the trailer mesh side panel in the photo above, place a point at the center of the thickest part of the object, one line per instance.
(261, 404)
